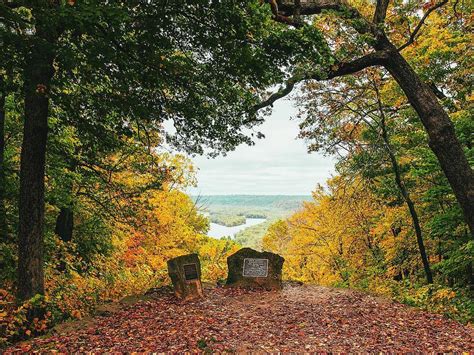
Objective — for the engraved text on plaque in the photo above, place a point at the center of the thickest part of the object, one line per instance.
(255, 267)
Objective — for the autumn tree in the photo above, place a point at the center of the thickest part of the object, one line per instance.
(148, 62)
(364, 36)
(353, 121)
(367, 123)
(334, 238)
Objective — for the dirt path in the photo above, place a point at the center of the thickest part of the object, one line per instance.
(303, 319)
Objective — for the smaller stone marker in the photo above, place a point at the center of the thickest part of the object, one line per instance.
(249, 268)
(185, 274)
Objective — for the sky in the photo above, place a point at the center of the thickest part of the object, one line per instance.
(276, 165)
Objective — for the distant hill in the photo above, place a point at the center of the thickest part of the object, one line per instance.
(278, 203)
(228, 210)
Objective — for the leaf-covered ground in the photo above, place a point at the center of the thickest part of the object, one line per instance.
(306, 318)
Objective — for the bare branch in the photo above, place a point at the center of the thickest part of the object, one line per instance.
(420, 24)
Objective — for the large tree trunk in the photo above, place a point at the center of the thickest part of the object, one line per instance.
(38, 73)
(3, 212)
(440, 129)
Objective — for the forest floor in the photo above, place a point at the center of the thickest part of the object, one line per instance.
(299, 318)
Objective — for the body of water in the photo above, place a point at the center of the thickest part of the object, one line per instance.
(218, 231)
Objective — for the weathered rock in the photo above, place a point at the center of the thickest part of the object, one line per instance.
(185, 274)
(249, 268)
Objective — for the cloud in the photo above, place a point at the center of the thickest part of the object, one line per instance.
(278, 164)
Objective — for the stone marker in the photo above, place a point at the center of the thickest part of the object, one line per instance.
(250, 268)
(185, 274)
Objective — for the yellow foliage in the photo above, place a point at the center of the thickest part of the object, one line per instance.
(165, 224)
(335, 237)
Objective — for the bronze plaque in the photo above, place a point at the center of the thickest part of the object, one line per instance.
(190, 272)
(255, 267)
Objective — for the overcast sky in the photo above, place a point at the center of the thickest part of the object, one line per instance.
(276, 165)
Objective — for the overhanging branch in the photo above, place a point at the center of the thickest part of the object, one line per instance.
(420, 24)
(341, 69)
(313, 7)
(282, 92)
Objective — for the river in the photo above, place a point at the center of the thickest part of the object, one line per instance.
(219, 231)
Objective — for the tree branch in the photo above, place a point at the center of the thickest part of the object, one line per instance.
(282, 92)
(297, 8)
(341, 69)
(289, 12)
(420, 24)
(381, 11)
(312, 7)
(288, 21)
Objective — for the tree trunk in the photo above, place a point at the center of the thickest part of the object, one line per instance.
(406, 197)
(65, 224)
(65, 220)
(38, 73)
(3, 211)
(440, 129)
(64, 228)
